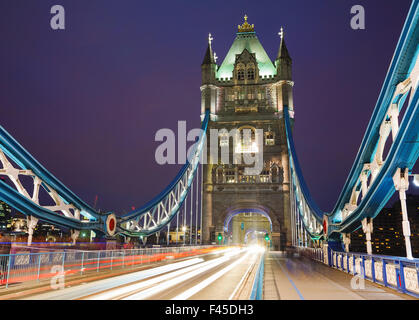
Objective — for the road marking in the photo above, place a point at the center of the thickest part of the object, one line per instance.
(290, 280)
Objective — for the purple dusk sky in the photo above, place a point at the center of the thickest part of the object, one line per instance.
(87, 101)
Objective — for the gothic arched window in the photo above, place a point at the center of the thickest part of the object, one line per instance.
(275, 173)
(219, 175)
(240, 74)
(251, 74)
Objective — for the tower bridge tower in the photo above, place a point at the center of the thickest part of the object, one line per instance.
(247, 91)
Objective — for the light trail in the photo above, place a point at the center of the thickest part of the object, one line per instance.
(192, 291)
(180, 275)
(154, 272)
(252, 264)
(201, 268)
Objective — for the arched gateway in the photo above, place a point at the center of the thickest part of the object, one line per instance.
(247, 91)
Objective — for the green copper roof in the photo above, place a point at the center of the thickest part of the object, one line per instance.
(249, 41)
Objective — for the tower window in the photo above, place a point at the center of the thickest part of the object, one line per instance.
(240, 74)
(230, 176)
(251, 74)
(224, 140)
(269, 138)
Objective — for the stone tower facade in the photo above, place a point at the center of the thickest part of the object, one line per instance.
(247, 91)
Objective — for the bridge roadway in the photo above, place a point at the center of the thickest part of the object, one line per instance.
(224, 276)
(220, 276)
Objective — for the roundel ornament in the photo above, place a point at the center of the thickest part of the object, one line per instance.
(325, 226)
(111, 224)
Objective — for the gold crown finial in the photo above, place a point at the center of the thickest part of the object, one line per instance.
(246, 27)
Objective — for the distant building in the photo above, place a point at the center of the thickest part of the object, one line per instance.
(387, 237)
(5, 215)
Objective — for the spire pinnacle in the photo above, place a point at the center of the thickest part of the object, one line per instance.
(209, 58)
(283, 51)
(210, 38)
(282, 34)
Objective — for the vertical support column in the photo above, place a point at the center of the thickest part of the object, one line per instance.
(74, 235)
(177, 225)
(298, 227)
(191, 215)
(292, 199)
(303, 238)
(364, 182)
(39, 265)
(64, 253)
(9, 264)
(31, 222)
(207, 204)
(82, 262)
(196, 204)
(98, 261)
(346, 237)
(292, 217)
(202, 200)
(184, 219)
(367, 227)
(286, 189)
(401, 183)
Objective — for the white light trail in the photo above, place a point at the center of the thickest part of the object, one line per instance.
(188, 274)
(156, 271)
(192, 291)
(242, 279)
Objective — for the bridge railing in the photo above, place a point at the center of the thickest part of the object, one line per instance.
(398, 273)
(24, 267)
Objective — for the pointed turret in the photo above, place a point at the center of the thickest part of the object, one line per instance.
(208, 71)
(209, 66)
(209, 57)
(283, 61)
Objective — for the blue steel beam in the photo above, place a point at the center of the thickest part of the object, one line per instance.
(403, 153)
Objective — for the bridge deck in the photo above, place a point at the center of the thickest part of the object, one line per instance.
(299, 278)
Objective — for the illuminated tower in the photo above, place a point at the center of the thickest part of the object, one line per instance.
(248, 91)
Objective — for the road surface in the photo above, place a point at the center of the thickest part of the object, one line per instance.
(220, 276)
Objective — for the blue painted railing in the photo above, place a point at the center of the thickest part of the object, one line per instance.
(398, 273)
